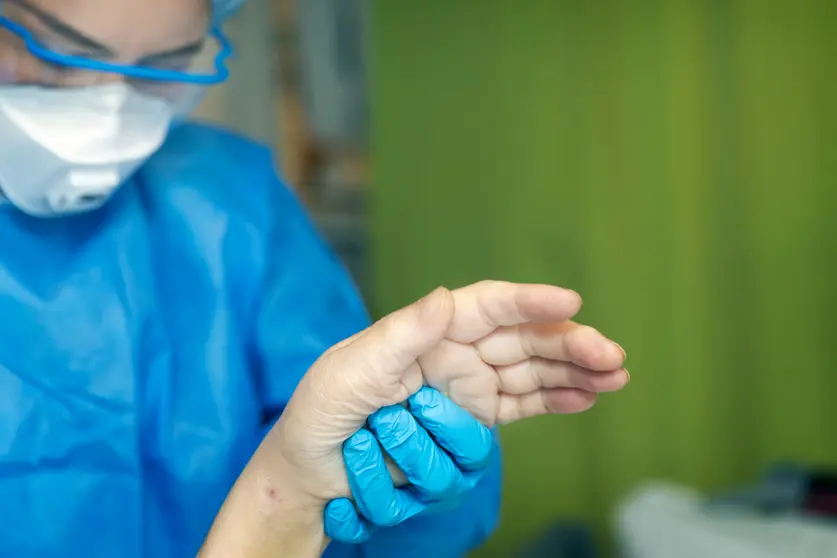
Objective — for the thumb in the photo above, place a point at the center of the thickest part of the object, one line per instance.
(394, 343)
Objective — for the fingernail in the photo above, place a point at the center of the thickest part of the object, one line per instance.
(624, 354)
(628, 374)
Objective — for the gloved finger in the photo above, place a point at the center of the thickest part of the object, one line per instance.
(452, 427)
(470, 480)
(536, 373)
(344, 524)
(376, 497)
(427, 467)
(567, 342)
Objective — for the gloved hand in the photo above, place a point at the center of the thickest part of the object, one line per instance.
(441, 449)
(512, 360)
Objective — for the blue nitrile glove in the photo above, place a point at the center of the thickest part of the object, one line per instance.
(441, 448)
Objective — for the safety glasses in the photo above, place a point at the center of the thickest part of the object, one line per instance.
(179, 77)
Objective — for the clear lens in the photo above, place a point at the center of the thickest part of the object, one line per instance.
(26, 63)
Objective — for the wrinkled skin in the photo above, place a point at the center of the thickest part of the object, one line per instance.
(499, 350)
(521, 357)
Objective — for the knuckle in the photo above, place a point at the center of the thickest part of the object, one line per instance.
(393, 426)
(489, 284)
(398, 436)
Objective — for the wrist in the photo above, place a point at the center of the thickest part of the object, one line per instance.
(265, 515)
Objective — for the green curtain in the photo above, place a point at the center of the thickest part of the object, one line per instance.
(674, 162)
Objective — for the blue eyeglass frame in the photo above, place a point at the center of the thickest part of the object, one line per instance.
(137, 72)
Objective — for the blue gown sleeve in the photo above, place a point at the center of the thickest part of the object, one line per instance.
(309, 303)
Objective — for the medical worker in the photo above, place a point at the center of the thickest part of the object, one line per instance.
(162, 294)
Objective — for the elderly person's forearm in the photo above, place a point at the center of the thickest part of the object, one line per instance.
(265, 517)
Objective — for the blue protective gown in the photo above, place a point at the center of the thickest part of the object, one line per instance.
(146, 346)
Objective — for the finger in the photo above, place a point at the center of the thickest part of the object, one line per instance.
(465, 439)
(569, 342)
(483, 307)
(379, 367)
(371, 485)
(536, 373)
(452, 503)
(559, 401)
(392, 344)
(431, 472)
(346, 342)
(344, 524)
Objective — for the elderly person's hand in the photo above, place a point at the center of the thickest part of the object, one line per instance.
(511, 352)
(501, 351)
(441, 449)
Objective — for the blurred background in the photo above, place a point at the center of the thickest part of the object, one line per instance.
(673, 161)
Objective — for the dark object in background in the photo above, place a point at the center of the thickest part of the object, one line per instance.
(563, 540)
(788, 488)
(821, 494)
(781, 490)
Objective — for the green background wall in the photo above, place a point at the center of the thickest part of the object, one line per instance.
(673, 161)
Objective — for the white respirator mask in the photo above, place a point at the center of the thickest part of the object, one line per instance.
(68, 150)
(74, 128)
